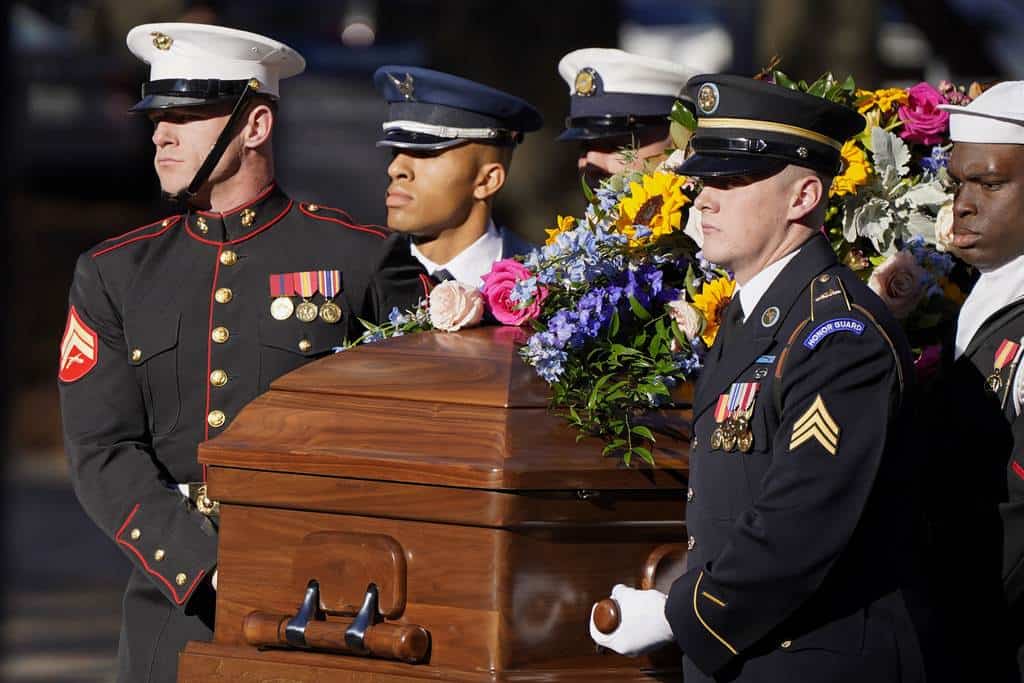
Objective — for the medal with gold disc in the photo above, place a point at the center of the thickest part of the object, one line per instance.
(721, 414)
(1006, 352)
(282, 289)
(740, 407)
(306, 286)
(330, 285)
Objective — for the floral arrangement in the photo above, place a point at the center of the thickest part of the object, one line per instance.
(890, 211)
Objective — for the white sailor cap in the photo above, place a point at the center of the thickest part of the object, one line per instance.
(995, 116)
(196, 64)
(613, 92)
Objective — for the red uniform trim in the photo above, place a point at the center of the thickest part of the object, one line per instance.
(346, 216)
(179, 600)
(350, 226)
(170, 224)
(1018, 470)
(428, 285)
(275, 219)
(261, 195)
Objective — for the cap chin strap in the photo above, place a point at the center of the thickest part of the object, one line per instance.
(203, 174)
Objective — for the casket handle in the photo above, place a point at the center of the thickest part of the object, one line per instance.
(309, 629)
(607, 615)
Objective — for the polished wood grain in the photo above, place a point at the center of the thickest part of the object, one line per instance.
(403, 642)
(431, 466)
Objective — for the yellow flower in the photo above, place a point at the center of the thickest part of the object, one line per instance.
(711, 302)
(856, 170)
(657, 203)
(885, 99)
(564, 224)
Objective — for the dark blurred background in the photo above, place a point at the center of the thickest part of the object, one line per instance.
(77, 169)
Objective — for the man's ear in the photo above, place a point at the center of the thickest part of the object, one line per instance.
(258, 126)
(489, 180)
(808, 191)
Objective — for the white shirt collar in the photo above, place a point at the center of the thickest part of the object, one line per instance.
(471, 264)
(994, 290)
(752, 292)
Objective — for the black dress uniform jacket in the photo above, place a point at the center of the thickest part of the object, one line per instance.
(175, 317)
(976, 506)
(802, 549)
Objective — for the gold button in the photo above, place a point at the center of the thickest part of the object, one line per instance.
(218, 378)
(228, 257)
(201, 224)
(216, 418)
(167, 221)
(305, 345)
(786, 643)
(136, 355)
(220, 334)
(223, 295)
(136, 534)
(159, 555)
(313, 208)
(180, 579)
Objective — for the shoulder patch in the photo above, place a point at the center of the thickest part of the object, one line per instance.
(832, 326)
(136, 235)
(340, 217)
(79, 349)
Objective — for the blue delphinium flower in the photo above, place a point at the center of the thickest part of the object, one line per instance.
(938, 159)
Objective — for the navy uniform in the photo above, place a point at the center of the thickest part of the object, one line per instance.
(804, 534)
(430, 112)
(175, 326)
(619, 100)
(973, 421)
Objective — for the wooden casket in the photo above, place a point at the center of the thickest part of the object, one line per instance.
(430, 467)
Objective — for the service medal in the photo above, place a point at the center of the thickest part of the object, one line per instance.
(729, 437)
(1006, 352)
(745, 441)
(306, 311)
(329, 282)
(281, 308)
(716, 439)
(330, 312)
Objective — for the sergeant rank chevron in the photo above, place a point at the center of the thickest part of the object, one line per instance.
(816, 424)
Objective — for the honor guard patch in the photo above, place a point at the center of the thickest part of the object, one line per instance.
(831, 327)
(816, 424)
(79, 349)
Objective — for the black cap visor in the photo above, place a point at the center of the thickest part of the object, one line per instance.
(715, 166)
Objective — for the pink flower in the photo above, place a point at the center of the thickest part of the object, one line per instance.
(923, 121)
(899, 282)
(927, 364)
(499, 285)
(454, 305)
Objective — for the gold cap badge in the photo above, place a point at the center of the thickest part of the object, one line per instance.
(162, 41)
(707, 98)
(586, 82)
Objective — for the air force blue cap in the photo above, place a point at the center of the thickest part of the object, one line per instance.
(613, 93)
(430, 110)
(747, 126)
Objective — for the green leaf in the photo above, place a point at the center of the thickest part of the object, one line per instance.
(679, 336)
(682, 115)
(613, 329)
(644, 453)
(587, 192)
(644, 432)
(782, 79)
(638, 310)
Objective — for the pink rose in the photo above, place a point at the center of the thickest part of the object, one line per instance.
(454, 305)
(688, 318)
(498, 289)
(899, 282)
(923, 121)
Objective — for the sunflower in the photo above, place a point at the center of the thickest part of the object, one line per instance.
(563, 224)
(657, 203)
(711, 302)
(856, 170)
(885, 99)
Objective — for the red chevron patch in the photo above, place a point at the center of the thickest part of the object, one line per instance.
(79, 350)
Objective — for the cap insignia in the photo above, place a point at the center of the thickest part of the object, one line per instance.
(707, 98)
(405, 87)
(162, 41)
(586, 82)
(254, 84)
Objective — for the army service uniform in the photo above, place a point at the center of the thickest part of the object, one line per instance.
(802, 544)
(170, 334)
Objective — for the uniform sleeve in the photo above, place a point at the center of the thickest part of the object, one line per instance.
(109, 448)
(398, 281)
(1012, 513)
(837, 402)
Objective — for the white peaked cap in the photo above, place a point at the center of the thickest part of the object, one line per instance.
(206, 51)
(624, 72)
(995, 116)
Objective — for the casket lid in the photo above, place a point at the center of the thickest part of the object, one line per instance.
(454, 409)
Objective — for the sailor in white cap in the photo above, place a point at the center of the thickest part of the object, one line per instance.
(619, 107)
(174, 326)
(975, 424)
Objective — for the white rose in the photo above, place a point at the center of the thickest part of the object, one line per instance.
(944, 227)
(454, 305)
(688, 318)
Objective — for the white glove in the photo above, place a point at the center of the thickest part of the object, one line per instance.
(213, 580)
(642, 626)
